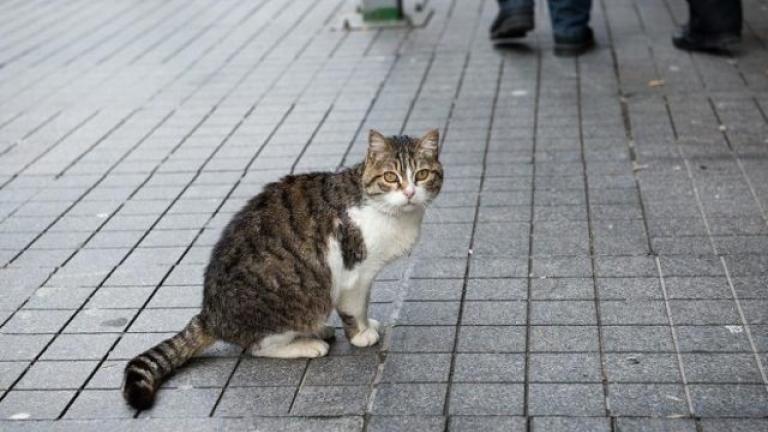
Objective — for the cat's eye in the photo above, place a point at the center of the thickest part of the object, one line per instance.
(390, 177)
(422, 175)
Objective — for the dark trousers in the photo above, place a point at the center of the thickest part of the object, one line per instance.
(714, 17)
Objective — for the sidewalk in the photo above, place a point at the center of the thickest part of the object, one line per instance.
(597, 260)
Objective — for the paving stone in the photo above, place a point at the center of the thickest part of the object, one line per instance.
(109, 375)
(34, 404)
(725, 368)
(566, 399)
(562, 267)
(700, 312)
(406, 423)
(629, 289)
(79, 347)
(564, 338)
(486, 399)
(55, 375)
(254, 401)
(162, 320)
(571, 368)
(633, 312)
(656, 424)
(571, 424)
(724, 400)
(562, 289)
(10, 372)
(491, 339)
(486, 423)
(346, 370)
(498, 267)
(409, 399)
(120, 297)
(63, 298)
(637, 338)
(647, 400)
(642, 368)
(330, 400)
(489, 367)
(99, 404)
(697, 288)
(496, 289)
(713, 338)
(37, 321)
(733, 424)
(432, 289)
(494, 313)
(23, 346)
(563, 312)
(100, 321)
(202, 372)
(416, 368)
(423, 339)
(429, 313)
(186, 402)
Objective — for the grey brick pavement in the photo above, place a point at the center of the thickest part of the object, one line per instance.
(597, 261)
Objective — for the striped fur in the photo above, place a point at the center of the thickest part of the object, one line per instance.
(145, 373)
(275, 274)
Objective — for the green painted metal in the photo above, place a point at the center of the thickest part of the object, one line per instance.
(381, 10)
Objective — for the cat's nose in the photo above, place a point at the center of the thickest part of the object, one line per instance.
(409, 192)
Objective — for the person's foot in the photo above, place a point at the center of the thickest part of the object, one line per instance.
(572, 46)
(714, 44)
(512, 23)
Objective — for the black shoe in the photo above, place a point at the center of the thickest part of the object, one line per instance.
(512, 23)
(569, 46)
(714, 44)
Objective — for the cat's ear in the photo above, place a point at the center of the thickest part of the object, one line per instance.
(377, 143)
(429, 143)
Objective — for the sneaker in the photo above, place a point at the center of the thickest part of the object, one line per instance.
(512, 23)
(722, 44)
(570, 46)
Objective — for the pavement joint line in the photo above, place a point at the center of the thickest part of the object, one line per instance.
(7, 61)
(478, 203)
(675, 338)
(591, 238)
(737, 158)
(56, 19)
(746, 324)
(627, 120)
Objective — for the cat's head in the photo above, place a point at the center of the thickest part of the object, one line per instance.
(400, 173)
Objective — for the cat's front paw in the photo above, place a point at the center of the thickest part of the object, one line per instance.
(367, 337)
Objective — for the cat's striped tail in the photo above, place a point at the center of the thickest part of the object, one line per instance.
(145, 373)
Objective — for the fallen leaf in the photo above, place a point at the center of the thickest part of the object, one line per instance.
(655, 83)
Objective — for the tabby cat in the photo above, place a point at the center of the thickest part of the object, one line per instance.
(305, 245)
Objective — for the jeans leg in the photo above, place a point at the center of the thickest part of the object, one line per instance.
(570, 18)
(515, 4)
(715, 17)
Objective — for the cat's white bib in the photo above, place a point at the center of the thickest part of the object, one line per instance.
(386, 238)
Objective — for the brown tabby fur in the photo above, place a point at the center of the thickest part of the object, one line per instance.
(268, 273)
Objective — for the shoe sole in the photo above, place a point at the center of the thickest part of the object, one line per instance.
(514, 27)
(723, 47)
(573, 50)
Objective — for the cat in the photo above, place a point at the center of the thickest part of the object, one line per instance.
(305, 245)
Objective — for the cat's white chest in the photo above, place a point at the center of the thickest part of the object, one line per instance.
(386, 238)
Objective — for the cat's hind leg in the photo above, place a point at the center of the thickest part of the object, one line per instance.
(289, 345)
